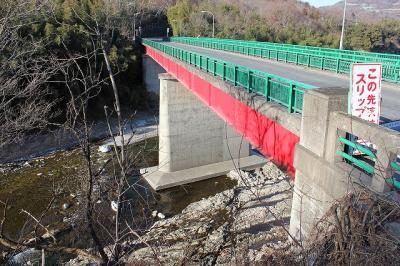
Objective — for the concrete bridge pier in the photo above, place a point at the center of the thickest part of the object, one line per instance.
(151, 69)
(194, 143)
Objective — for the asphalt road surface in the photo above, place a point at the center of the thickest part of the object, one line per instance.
(323, 79)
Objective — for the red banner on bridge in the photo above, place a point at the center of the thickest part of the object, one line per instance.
(268, 136)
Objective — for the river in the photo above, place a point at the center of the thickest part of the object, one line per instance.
(32, 184)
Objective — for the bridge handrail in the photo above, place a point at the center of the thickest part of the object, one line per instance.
(331, 51)
(379, 157)
(335, 60)
(274, 88)
(313, 48)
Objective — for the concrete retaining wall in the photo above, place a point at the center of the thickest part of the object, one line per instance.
(322, 177)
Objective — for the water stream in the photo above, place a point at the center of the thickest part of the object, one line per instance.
(31, 186)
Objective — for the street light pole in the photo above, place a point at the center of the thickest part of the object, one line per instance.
(213, 32)
(343, 25)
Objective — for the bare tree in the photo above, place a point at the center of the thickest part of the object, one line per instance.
(24, 76)
(23, 101)
(83, 80)
(84, 84)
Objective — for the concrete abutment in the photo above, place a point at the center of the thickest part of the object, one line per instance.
(323, 177)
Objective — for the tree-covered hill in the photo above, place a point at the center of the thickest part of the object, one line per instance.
(286, 21)
(51, 51)
(367, 9)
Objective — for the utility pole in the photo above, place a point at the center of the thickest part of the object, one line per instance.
(213, 17)
(134, 25)
(343, 25)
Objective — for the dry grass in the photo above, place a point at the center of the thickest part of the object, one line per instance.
(354, 233)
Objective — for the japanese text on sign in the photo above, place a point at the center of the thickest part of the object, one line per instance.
(366, 91)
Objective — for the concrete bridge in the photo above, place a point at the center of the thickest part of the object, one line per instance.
(219, 96)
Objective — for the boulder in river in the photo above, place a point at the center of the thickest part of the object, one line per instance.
(114, 205)
(105, 148)
(28, 257)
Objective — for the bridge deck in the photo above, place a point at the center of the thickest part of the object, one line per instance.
(323, 79)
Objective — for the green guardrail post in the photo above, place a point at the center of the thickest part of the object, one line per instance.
(291, 98)
(235, 75)
(250, 73)
(215, 67)
(224, 71)
(267, 88)
(337, 65)
(200, 59)
(398, 75)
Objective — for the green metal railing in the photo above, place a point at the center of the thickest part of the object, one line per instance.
(371, 155)
(395, 166)
(336, 60)
(286, 92)
(362, 164)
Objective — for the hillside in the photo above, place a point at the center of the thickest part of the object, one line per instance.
(286, 21)
(363, 9)
(290, 21)
(281, 13)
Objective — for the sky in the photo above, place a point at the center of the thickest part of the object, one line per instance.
(319, 3)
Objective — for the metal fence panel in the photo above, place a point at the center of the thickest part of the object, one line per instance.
(322, 58)
(286, 92)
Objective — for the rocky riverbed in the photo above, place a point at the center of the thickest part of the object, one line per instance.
(30, 185)
(243, 225)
